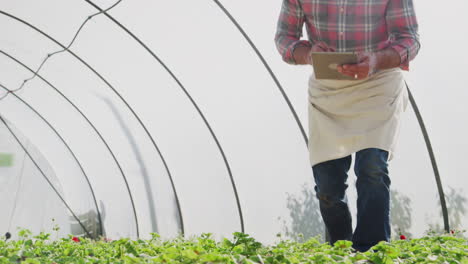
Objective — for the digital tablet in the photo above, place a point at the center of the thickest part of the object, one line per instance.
(325, 64)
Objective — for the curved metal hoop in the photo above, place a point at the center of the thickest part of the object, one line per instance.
(267, 67)
(440, 188)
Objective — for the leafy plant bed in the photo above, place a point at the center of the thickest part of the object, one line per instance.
(242, 248)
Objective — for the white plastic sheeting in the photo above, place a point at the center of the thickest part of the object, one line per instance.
(178, 126)
(30, 192)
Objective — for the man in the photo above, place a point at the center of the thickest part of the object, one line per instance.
(360, 116)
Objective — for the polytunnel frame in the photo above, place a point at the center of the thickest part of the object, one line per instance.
(413, 103)
(128, 106)
(84, 117)
(207, 124)
(411, 98)
(136, 116)
(37, 166)
(92, 126)
(58, 43)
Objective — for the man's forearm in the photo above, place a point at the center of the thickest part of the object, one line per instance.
(301, 55)
(388, 59)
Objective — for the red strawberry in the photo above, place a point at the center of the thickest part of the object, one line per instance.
(402, 237)
(76, 239)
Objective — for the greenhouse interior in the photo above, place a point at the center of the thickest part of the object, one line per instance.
(126, 118)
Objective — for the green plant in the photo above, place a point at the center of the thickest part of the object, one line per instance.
(242, 249)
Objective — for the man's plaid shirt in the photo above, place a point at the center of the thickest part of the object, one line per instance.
(349, 26)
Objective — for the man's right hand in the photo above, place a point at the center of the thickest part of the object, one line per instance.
(303, 54)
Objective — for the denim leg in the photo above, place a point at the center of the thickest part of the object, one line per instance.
(373, 204)
(330, 178)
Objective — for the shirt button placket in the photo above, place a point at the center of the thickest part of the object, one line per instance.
(343, 21)
(341, 33)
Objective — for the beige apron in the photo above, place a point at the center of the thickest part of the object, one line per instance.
(348, 116)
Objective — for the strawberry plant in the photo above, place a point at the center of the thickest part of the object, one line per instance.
(242, 249)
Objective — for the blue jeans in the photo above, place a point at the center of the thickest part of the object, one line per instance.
(373, 202)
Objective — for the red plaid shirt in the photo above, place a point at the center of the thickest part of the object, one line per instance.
(349, 26)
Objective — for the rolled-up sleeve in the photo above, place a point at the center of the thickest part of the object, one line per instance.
(289, 30)
(402, 25)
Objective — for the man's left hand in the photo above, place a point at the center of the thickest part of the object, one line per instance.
(366, 66)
